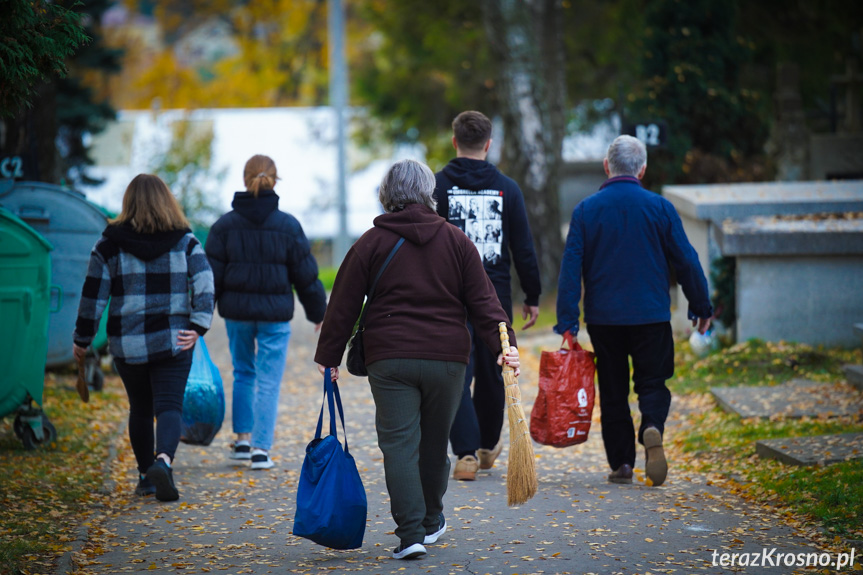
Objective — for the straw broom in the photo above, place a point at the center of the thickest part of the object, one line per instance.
(521, 482)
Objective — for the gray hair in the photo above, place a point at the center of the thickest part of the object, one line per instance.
(626, 156)
(407, 182)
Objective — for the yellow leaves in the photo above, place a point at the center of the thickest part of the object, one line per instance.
(277, 57)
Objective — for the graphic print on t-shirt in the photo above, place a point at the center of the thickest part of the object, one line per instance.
(479, 213)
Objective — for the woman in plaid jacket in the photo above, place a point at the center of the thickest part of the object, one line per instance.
(160, 286)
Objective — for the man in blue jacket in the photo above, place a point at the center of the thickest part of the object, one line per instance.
(489, 207)
(622, 241)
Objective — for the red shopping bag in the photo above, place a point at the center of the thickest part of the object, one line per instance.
(564, 406)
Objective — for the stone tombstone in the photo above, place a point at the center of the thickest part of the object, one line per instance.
(789, 140)
(798, 278)
(704, 208)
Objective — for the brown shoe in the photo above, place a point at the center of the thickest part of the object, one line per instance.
(656, 466)
(465, 468)
(622, 475)
(487, 456)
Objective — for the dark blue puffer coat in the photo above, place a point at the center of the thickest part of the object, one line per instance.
(260, 256)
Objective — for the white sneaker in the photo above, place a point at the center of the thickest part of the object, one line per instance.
(261, 459)
(414, 551)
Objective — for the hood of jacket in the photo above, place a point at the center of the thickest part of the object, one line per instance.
(470, 174)
(145, 247)
(256, 210)
(416, 223)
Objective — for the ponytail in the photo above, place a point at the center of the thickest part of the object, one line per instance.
(260, 174)
(261, 182)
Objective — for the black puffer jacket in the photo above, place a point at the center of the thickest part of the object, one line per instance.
(258, 254)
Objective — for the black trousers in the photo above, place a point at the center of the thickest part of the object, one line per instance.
(479, 419)
(651, 348)
(155, 389)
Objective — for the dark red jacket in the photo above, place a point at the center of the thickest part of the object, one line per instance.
(434, 282)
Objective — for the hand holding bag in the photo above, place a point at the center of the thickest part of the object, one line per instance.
(563, 408)
(331, 499)
(203, 400)
(356, 361)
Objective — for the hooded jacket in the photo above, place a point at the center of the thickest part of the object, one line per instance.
(259, 256)
(158, 284)
(489, 207)
(421, 301)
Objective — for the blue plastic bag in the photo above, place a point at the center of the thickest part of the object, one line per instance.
(331, 499)
(204, 400)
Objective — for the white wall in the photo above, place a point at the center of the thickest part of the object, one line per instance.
(301, 141)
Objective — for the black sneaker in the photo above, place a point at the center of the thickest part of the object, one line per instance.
(412, 551)
(261, 459)
(144, 487)
(433, 536)
(162, 477)
(241, 450)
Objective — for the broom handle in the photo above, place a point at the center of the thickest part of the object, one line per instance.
(504, 343)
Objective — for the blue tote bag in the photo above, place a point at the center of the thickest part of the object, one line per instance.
(204, 399)
(331, 499)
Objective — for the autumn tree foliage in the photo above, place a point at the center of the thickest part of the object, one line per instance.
(692, 63)
(219, 53)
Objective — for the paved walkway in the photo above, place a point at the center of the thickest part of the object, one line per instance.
(233, 520)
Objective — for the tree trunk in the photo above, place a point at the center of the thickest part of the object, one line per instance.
(527, 43)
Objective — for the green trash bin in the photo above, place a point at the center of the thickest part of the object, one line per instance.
(25, 295)
(72, 225)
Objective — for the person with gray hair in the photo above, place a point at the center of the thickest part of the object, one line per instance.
(416, 341)
(626, 156)
(622, 243)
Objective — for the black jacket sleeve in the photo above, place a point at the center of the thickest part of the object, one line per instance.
(521, 248)
(303, 271)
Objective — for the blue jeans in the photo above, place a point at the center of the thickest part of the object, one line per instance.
(257, 376)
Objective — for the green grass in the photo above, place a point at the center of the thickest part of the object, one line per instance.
(756, 362)
(718, 442)
(832, 494)
(327, 277)
(715, 430)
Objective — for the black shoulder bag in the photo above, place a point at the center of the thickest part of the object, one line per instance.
(356, 353)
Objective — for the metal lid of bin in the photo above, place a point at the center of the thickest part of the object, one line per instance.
(62, 209)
